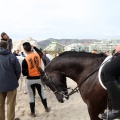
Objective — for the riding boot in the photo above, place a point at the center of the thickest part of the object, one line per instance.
(113, 89)
(32, 108)
(44, 101)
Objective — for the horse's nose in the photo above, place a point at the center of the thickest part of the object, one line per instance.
(67, 97)
(61, 101)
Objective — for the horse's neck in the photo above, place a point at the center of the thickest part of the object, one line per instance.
(80, 72)
(71, 73)
(77, 69)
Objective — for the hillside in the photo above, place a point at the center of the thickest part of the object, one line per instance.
(65, 42)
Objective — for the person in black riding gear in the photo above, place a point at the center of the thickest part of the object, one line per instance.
(110, 74)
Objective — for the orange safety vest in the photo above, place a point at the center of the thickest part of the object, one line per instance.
(33, 60)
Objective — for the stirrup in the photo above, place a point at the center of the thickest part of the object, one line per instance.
(109, 115)
(102, 116)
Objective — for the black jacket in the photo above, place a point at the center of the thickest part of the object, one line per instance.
(10, 71)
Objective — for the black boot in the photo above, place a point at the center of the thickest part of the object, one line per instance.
(44, 101)
(113, 89)
(32, 108)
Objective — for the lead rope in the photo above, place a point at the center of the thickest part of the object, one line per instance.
(76, 89)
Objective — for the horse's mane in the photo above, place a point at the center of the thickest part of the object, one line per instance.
(81, 54)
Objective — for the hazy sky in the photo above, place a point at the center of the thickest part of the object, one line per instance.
(42, 19)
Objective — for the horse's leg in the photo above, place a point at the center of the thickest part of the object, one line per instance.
(94, 110)
(96, 101)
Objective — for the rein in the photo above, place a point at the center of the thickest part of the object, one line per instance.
(44, 75)
(76, 89)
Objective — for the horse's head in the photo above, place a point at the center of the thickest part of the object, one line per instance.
(57, 83)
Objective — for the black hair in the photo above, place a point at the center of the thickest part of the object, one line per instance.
(3, 44)
(27, 46)
(2, 34)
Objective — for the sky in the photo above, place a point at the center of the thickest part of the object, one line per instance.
(60, 19)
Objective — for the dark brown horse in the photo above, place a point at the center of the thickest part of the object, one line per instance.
(77, 66)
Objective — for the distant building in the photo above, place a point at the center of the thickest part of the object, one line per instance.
(104, 45)
(100, 46)
(54, 46)
(74, 47)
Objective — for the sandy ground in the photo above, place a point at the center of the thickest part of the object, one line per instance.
(72, 109)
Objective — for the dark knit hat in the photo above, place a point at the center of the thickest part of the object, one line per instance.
(2, 34)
